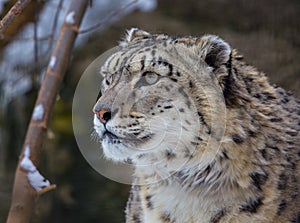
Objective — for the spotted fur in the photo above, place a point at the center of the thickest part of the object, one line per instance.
(210, 138)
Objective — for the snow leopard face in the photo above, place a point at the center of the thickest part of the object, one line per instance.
(154, 103)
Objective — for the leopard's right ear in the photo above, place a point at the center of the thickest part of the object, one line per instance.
(132, 35)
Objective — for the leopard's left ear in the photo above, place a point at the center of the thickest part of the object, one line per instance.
(134, 34)
(213, 50)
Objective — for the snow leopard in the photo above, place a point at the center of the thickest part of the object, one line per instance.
(210, 139)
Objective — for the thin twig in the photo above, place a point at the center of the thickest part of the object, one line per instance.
(108, 18)
(11, 15)
(46, 189)
(36, 45)
(44, 38)
(55, 21)
(35, 30)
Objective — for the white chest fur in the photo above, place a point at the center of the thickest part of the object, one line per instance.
(173, 203)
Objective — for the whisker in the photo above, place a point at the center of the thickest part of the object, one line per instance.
(94, 136)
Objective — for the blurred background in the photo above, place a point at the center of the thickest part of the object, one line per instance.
(266, 32)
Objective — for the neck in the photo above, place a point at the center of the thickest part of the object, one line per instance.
(205, 190)
(215, 181)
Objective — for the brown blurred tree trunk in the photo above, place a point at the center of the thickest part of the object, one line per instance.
(15, 10)
(20, 13)
(24, 196)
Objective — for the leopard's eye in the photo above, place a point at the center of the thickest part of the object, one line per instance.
(150, 77)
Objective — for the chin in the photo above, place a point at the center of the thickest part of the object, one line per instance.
(116, 152)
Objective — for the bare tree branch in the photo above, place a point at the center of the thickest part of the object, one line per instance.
(107, 19)
(12, 14)
(52, 35)
(24, 195)
(15, 27)
(36, 46)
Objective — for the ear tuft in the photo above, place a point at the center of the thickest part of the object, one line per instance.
(214, 50)
(134, 34)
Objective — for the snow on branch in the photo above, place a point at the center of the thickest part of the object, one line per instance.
(36, 180)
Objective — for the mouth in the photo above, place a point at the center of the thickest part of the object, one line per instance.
(109, 135)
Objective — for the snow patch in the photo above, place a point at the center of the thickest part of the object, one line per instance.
(70, 18)
(52, 62)
(36, 180)
(38, 112)
(26, 163)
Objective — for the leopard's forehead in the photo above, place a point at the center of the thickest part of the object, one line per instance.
(151, 52)
(184, 52)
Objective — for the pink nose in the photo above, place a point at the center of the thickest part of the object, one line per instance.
(103, 115)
